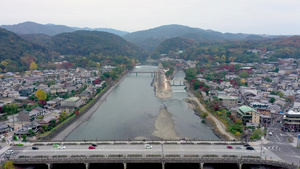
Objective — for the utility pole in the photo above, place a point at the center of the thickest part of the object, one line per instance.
(260, 147)
(162, 148)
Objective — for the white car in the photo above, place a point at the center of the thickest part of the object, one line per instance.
(9, 152)
(148, 146)
(61, 147)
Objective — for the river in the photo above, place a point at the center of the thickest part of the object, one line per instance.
(131, 109)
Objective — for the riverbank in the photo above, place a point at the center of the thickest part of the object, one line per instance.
(164, 126)
(216, 125)
(62, 135)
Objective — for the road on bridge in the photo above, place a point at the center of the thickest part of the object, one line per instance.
(157, 149)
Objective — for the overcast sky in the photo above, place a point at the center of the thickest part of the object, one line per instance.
(235, 16)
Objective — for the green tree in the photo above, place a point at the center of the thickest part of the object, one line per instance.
(31, 132)
(244, 74)
(9, 165)
(15, 137)
(24, 137)
(190, 74)
(272, 100)
(63, 116)
(257, 134)
(10, 108)
(281, 94)
(204, 115)
(41, 95)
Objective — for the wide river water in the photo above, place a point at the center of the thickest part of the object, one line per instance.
(131, 109)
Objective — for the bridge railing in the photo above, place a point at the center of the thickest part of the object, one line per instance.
(145, 159)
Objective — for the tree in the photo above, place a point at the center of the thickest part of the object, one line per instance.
(31, 132)
(238, 121)
(290, 99)
(9, 165)
(257, 133)
(77, 112)
(204, 115)
(244, 74)
(33, 66)
(281, 94)
(63, 116)
(24, 137)
(272, 100)
(243, 81)
(41, 95)
(10, 108)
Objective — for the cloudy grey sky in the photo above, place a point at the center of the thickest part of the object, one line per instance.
(235, 16)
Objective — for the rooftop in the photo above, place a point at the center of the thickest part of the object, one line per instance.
(73, 99)
(246, 109)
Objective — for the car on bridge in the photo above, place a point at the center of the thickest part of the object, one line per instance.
(61, 147)
(148, 146)
(238, 147)
(249, 148)
(229, 147)
(92, 147)
(55, 145)
(35, 148)
(9, 152)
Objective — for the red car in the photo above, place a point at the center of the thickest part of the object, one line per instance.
(229, 147)
(92, 147)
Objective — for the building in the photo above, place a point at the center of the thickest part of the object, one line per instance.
(265, 116)
(248, 115)
(72, 102)
(291, 120)
(228, 101)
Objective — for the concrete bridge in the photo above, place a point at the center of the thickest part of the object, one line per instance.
(164, 161)
(177, 82)
(151, 72)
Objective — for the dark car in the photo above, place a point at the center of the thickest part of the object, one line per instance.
(35, 148)
(249, 148)
(94, 145)
(246, 145)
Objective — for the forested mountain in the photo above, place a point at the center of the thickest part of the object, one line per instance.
(174, 44)
(150, 39)
(16, 53)
(51, 29)
(230, 51)
(85, 43)
(13, 48)
(35, 28)
(40, 39)
(109, 30)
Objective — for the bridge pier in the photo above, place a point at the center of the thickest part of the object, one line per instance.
(163, 165)
(240, 165)
(49, 165)
(87, 165)
(201, 165)
(125, 165)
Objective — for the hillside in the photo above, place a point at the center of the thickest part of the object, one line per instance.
(35, 28)
(86, 42)
(174, 44)
(13, 48)
(40, 39)
(51, 29)
(150, 39)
